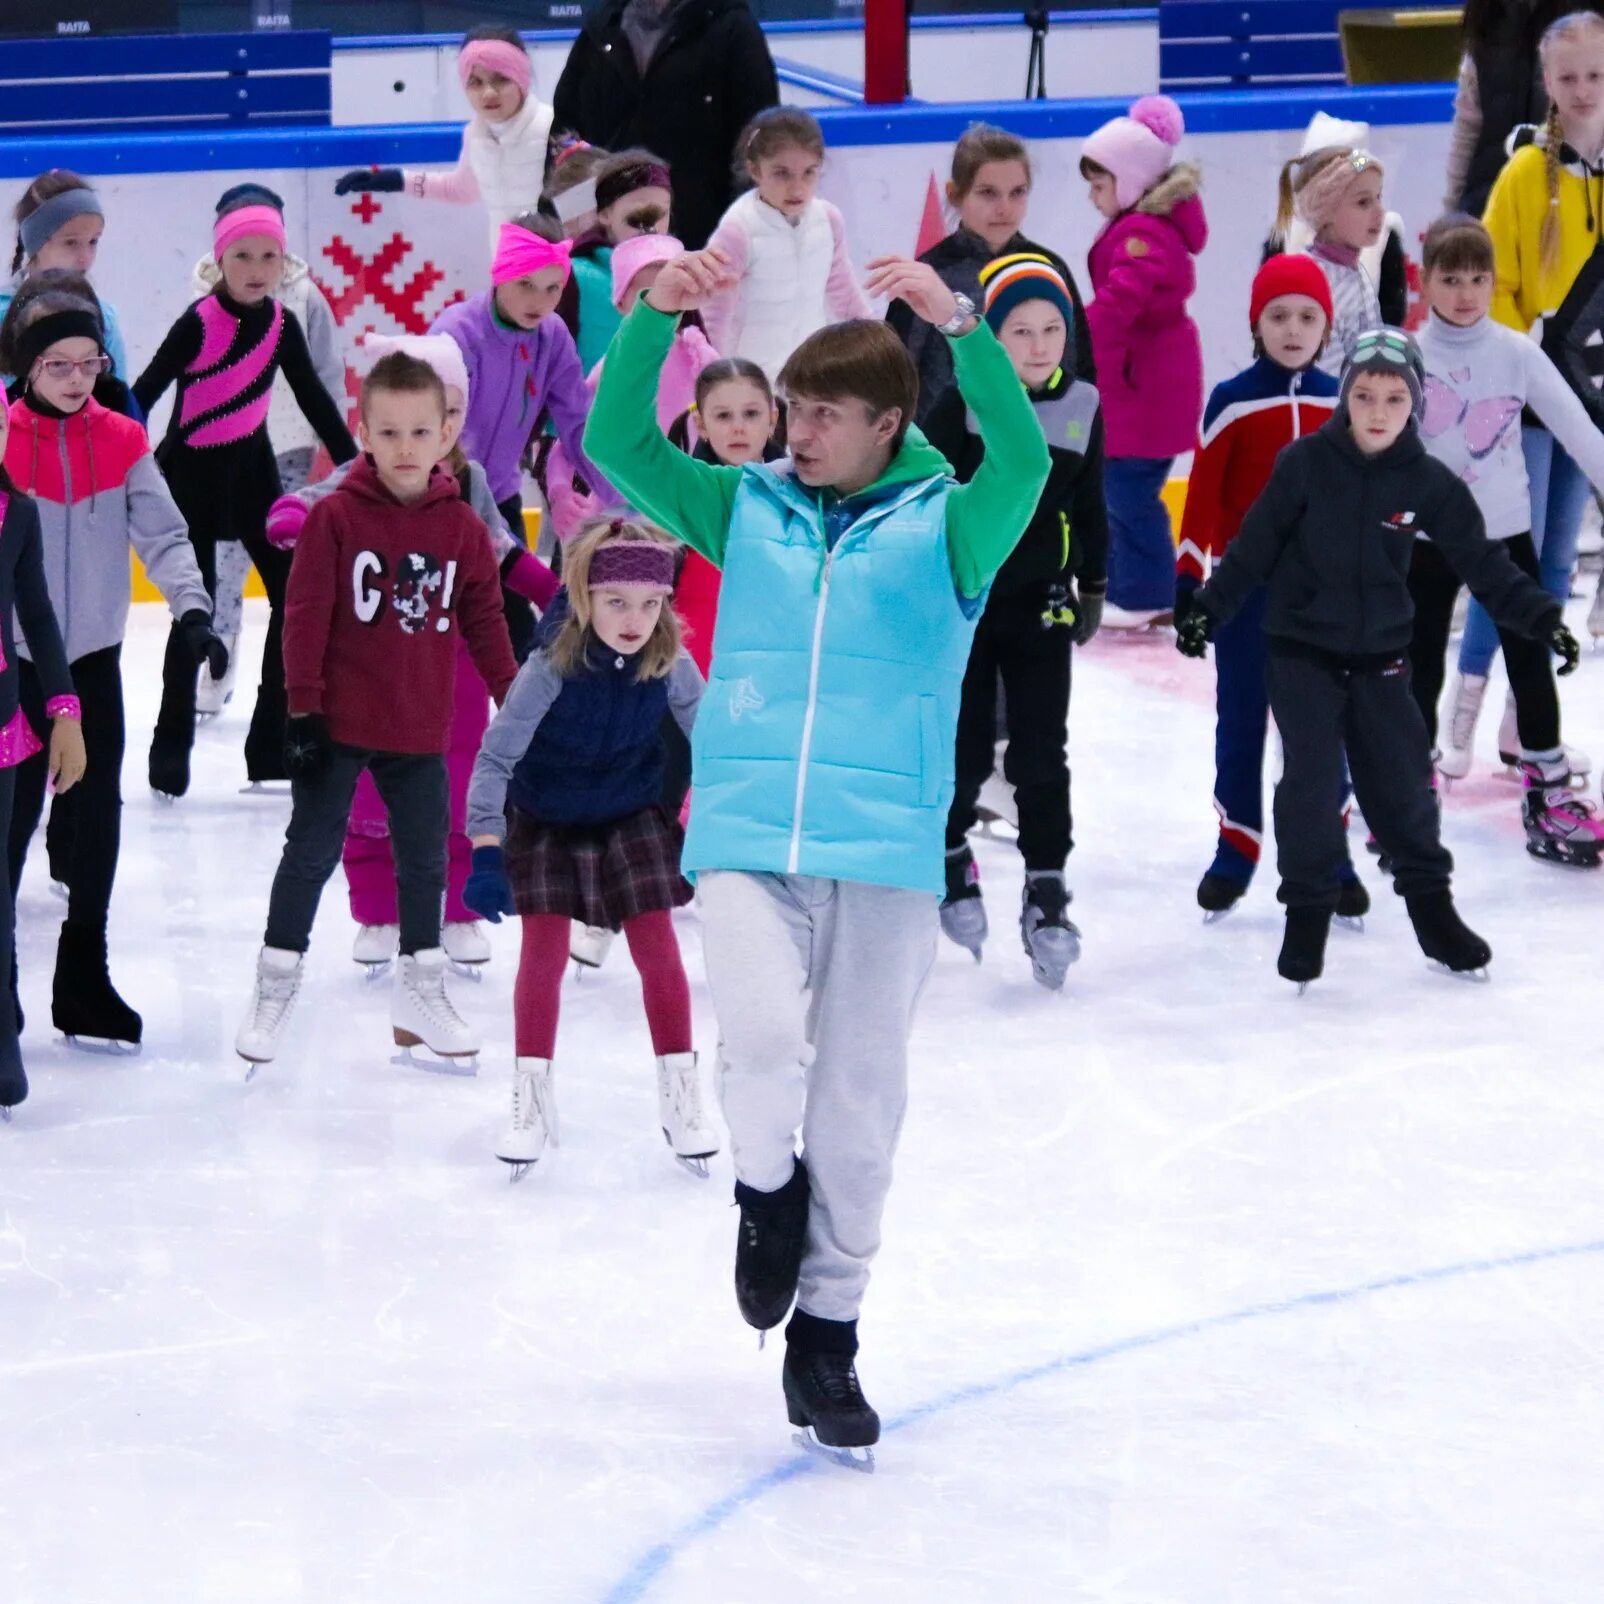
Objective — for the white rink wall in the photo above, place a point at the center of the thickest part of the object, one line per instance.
(397, 267)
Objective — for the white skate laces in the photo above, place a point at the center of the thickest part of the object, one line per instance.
(681, 1114)
(278, 983)
(534, 1116)
(421, 1013)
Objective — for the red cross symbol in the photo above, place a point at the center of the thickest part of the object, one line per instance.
(367, 208)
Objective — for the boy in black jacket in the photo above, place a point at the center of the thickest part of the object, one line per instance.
(1032, 616)
(1332, 536)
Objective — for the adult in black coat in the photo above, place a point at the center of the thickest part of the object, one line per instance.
(680, 78)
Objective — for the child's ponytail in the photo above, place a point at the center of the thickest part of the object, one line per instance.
(1548, 235)
(1284, 200)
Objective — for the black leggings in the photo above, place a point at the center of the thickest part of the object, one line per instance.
(1033, 664)
(89, 816)
(1434, 587)
(175, 723)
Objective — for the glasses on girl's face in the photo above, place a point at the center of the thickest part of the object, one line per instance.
(59, 368)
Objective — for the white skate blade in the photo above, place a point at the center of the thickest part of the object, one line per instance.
(376, 971)
(474, 971)
(520, 1167)
(266, 788)
(5, 1115)
(460, 1065)
(251, 1067)
(859, 1459)
(102, 1046)
(1356, 925)
(1214, 915)
(1477, 977)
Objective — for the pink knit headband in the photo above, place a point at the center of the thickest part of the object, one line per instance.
(519, 252)
(634, 565)
(1318, 200)
(246, 220)
(496, 55)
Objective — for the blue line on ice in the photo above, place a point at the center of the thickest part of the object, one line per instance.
(646, 1570)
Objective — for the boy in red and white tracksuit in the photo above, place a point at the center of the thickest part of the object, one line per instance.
(387, 571)
(1280, 397)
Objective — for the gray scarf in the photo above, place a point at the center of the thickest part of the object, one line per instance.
(644, 23)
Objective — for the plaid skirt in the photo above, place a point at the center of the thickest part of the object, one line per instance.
(599, 874)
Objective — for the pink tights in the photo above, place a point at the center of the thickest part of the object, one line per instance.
(655, 950)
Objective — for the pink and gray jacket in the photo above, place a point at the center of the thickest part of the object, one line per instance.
(98, 492)
(1149, 355)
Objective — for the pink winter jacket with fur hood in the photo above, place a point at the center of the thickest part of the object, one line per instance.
(1149, 356)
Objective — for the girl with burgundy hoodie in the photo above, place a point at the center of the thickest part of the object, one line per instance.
(1149, 356)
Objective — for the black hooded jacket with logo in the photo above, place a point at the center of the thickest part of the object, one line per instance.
(1332, 537)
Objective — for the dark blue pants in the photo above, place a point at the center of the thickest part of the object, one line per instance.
(1141, 549)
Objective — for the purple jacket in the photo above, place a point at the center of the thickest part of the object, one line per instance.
(1149, 357)
(514, 376)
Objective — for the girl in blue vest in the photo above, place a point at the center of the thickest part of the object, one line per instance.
(854, 572)
(566, 820)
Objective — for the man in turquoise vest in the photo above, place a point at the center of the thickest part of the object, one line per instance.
(854, 574)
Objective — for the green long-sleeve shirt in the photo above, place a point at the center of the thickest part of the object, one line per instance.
(695, 500)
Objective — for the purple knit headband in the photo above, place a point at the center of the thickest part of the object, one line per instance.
(633, 564)
(638, 175)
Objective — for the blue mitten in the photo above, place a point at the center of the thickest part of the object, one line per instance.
(488, 891)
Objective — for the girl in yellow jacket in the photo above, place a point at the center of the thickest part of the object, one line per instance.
(1546, 216)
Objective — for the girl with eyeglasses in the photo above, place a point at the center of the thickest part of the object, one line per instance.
(1337, 192)
(98, 491)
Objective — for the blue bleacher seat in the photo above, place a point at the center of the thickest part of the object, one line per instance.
(161, 82)
(1287, 44)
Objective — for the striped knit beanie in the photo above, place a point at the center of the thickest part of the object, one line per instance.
(1007, 281)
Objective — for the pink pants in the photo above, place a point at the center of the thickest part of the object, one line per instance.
(369, 866)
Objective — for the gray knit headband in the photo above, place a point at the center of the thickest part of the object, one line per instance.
(44, 220)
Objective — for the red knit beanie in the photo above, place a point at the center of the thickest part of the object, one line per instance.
(1289, 274)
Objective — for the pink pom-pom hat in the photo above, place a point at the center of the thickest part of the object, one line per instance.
(1138, 148)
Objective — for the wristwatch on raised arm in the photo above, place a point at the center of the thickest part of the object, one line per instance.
(962, 320)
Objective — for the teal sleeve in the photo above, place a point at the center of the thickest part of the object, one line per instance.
(987, 516)
(692, 500)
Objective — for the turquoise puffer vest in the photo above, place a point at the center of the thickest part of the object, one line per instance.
(824, 744)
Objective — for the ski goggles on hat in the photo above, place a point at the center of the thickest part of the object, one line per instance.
(1384, 345)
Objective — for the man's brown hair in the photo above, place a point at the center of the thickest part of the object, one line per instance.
(861, 360)
(405, 374)
(1457, 243)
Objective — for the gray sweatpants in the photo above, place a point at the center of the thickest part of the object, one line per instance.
(815, 983)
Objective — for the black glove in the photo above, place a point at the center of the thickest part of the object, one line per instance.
(1186, 587)
(370, 180)
(203, 645)
(1565, 645)
(1193, 633)
(1091, 610)
(306, 745)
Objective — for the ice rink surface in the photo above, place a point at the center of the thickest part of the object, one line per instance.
(1192, 1292)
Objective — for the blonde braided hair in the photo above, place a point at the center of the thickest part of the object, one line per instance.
(1548, 236)
(1575, 25)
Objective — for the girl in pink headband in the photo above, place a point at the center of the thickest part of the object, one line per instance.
(222, 356)
(504, 146)
(567, 824)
